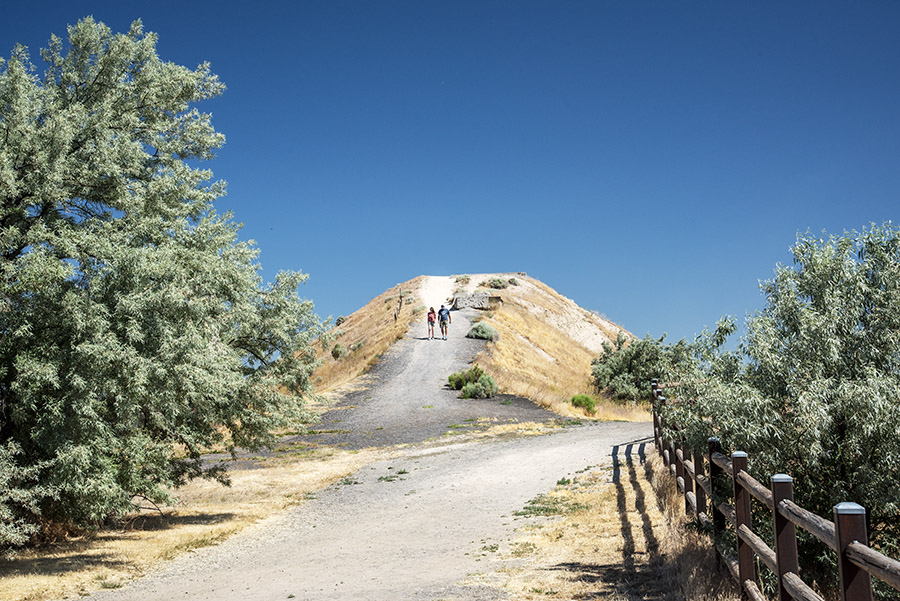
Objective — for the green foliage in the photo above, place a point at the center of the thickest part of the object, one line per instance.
(341, 319)
(357, 345)
(624, 371)
(473, 383)
(484, 388)
(513, 282)
(462, 279)
(812, 392)
(338, 351)
(132, 319)
(482, 331)
(460, 378)
(585, 402)
(496, 283)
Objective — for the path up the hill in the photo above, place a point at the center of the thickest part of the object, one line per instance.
(413, 526)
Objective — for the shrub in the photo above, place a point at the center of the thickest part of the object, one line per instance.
(482, 331)
(461, 378)
(496, 283)
(338, 351)
(585, 402)
(341, 319)
(357, 345)
(624, 371)
(513, 282)
(462, 279)
(484, 388)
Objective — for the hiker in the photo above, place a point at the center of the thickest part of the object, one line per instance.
(444, 315)
(432, 317)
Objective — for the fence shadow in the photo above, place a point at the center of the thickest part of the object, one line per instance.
(641, 574)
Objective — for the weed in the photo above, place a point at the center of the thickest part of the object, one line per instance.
(585, 402)
(391, 478)
(462, 279)
(348, 481)
(563, 482)
(513, 282)
(523, 549)
(544, 505)
(427, 406)
(338, 351)
(340, 319)
(491, 548)
(357, 345)
(506, 402)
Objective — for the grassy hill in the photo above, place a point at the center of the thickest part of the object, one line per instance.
(544, 350)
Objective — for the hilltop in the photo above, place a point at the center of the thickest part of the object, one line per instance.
(544, 350)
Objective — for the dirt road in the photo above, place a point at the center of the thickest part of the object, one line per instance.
(411, 527)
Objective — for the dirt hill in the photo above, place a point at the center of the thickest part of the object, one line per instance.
(544, 350)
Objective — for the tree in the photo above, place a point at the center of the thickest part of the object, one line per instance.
(624, 371)
(816, 393)
(136, 330)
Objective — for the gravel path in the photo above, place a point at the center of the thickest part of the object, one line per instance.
(411, 527)
(407, 400)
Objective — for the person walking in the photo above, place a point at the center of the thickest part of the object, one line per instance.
(432, 317)
(444, 316)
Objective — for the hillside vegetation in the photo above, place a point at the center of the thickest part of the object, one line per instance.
(543, 350)
(545, 346)
(366, 334)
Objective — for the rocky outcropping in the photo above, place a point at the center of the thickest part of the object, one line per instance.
(477, 300)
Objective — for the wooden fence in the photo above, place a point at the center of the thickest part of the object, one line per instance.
(857, 563)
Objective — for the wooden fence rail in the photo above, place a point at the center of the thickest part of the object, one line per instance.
(846, 535)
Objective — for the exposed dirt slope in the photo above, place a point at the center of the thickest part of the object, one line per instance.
(546, 344)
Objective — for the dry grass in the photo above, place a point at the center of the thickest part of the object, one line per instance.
(366, 334)
(206, 514)
(538, 354)
(613, 538)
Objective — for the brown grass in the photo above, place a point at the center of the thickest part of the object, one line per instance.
(206, 514)
(371, 330)
(536, 359)
(614, 538)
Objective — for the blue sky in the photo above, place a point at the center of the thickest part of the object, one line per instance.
(652, 161)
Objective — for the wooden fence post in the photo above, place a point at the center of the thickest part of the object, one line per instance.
(700, 493)
(654, 400)
(785, 533)
(715, 479)
(688, 480)
(746, 566)
(663, 445)
(850, 526)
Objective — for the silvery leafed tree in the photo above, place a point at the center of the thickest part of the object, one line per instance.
(135, 330)
(813, 389)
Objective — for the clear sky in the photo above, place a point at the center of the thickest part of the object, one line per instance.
(652, 161)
